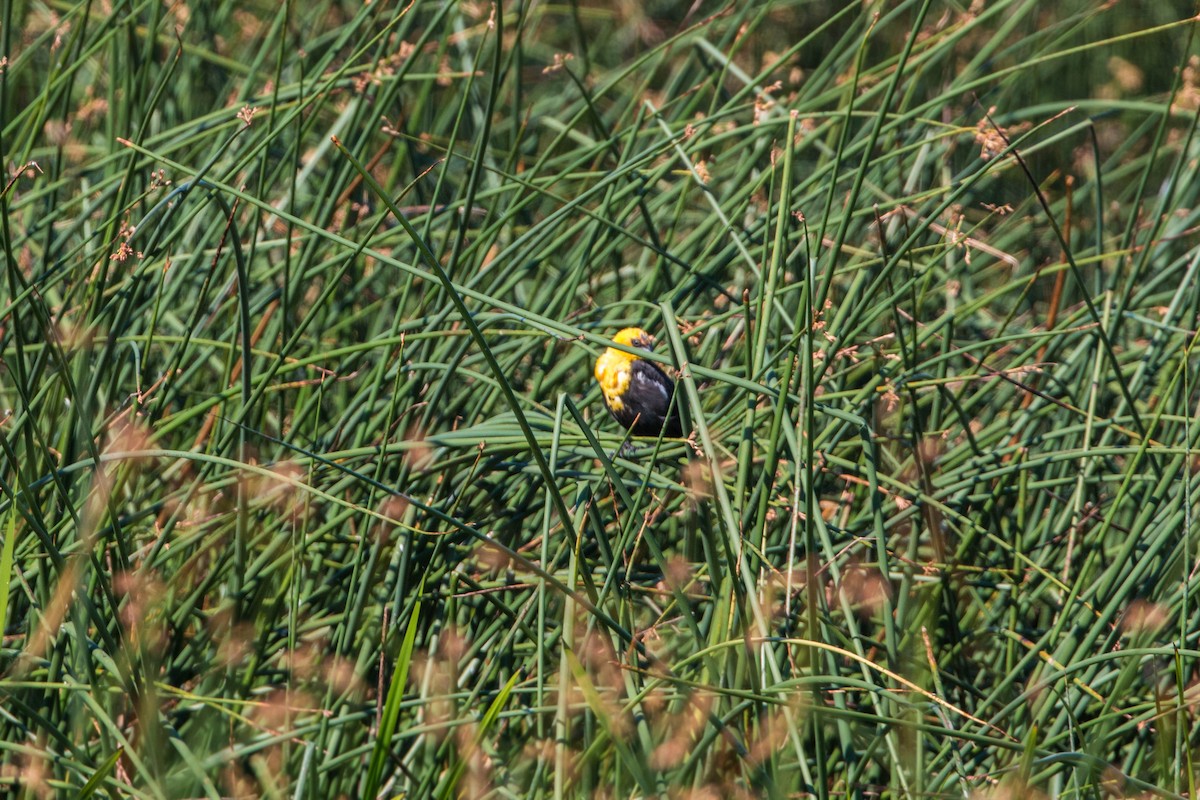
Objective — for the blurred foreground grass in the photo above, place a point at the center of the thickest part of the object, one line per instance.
(280, 520)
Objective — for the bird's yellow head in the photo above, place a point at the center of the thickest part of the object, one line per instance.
(634, 337)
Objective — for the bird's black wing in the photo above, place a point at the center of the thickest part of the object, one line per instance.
(649, 400)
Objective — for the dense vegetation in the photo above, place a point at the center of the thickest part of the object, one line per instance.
(306, 490)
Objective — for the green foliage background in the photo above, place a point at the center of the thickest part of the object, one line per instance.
(307, 491)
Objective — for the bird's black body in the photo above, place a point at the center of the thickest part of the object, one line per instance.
(647, 407)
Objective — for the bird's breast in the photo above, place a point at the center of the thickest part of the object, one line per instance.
(613, 374)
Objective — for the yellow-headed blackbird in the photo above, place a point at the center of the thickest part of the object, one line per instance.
(636, 391)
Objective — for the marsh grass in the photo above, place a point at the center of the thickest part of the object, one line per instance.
(307, 491)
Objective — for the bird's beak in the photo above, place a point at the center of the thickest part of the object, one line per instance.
(646, 342)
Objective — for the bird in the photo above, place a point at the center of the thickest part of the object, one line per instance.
(637, 392)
